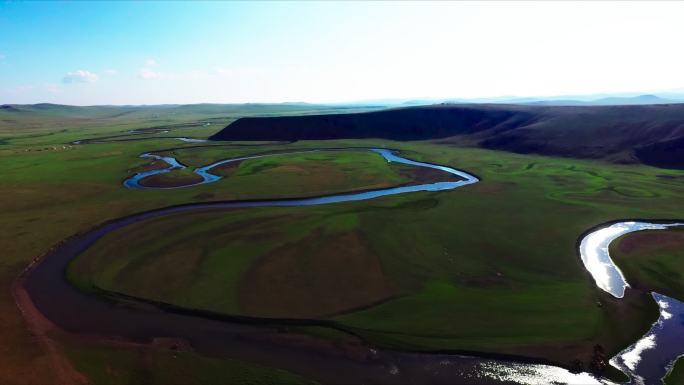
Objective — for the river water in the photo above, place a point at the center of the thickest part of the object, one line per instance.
(649, 359)
(207, 177)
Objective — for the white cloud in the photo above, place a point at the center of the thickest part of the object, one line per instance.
(80, 76)
(150, 62)
(145, 73)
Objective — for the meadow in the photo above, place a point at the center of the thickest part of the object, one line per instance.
(489, 268)
(653, 261)
(384, 269)
(54, 189)
(112, 365)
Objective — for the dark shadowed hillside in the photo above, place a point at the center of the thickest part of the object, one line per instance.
(413, 123)
(652, 134)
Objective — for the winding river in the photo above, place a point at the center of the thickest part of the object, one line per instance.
(389, 155)
(649, 359)
(242, 337)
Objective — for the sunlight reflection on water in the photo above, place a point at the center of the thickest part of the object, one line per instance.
(596, 258)
(649, 359)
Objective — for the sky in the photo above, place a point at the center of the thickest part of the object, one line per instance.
(151, 52)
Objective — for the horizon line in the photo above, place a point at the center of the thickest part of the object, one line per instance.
(583, 98)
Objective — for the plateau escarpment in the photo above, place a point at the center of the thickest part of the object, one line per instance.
(649, 134)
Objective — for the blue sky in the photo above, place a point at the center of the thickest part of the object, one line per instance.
(226, 52)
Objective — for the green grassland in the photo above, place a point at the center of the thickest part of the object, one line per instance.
(442, 267)
(653, 260)
(52, 122)
(112, 365)
(490, 267)
(287, 175)
(52, 189)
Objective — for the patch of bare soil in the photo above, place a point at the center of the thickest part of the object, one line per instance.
(306, 280)
(645, 241)
(168, 180)
(39, 327)
(226, 169)
(154, 165)
(424, 175)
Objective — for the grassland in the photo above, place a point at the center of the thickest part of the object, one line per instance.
(503, 246)
(653, 261)
(53, 189)
(491, 267)
(113, 365)
(284, 175)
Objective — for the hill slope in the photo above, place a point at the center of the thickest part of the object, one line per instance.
(19, 119)
(651, 134)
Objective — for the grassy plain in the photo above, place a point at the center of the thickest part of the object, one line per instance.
(285, 175)
(505, 246)
(653, 260)
(113, 365)
(490, 267)
(52, 189)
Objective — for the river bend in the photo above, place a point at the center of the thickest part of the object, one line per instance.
(229, 337)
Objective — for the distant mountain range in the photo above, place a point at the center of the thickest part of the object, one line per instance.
(609, 101)
(650, 134)
(567, 100)
(577, 100)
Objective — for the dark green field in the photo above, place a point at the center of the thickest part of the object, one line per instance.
(112, 365)
(491, 267)
(503, 246)
(653, 261)
(54, 189)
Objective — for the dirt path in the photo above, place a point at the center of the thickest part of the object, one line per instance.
(39, 327)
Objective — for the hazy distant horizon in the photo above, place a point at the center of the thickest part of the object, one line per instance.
(123, 53)
(668, 95)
